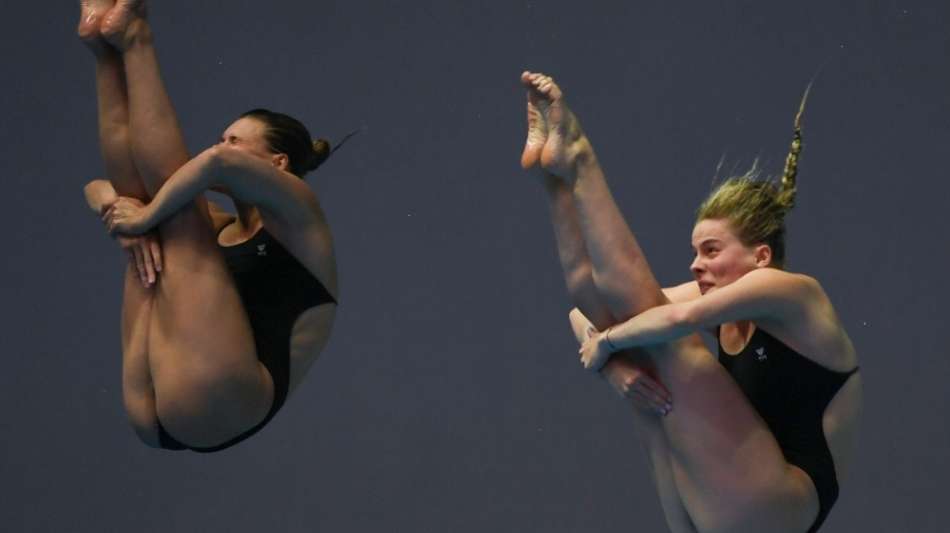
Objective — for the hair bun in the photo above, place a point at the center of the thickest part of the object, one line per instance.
(321, 151)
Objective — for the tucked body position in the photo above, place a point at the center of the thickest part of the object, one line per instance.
(757, 439)
(222, 315)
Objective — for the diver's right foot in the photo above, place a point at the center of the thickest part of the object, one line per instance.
(90, 19)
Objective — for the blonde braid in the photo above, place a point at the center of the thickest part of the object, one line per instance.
(788, 188)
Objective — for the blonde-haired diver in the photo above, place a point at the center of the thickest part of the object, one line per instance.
(757, 440)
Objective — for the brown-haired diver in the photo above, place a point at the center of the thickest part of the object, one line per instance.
(222, 315)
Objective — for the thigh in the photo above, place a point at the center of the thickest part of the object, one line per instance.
(138, 394)
(208, 381)
(661, 465)
(727, 465)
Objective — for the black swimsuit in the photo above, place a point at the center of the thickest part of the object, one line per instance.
(275, 289)
(790, 392)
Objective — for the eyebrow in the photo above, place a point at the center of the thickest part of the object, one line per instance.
(706, 241)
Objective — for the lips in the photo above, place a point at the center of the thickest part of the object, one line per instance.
(704, 286)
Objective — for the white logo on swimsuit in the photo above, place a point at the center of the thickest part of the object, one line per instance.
(261, 249)
(760, 354)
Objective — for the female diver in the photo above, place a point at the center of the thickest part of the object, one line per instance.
(243, 305)
(758, 440)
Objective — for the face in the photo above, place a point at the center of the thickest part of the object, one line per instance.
(721, 258)
(247, 135)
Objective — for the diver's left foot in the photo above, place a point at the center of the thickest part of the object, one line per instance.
(121, 24)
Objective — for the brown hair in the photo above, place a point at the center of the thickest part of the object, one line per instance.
(287, 135)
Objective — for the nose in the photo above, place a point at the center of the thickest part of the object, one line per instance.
(697, 267)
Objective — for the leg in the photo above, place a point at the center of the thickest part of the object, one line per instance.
(655, 444)
(137, 392)
(577, 269)
(726, 464)
(208, 383)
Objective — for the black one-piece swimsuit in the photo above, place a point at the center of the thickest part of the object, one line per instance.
(275, 289)
(790, 392)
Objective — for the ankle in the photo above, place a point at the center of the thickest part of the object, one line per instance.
(139, 32)
(580, 157)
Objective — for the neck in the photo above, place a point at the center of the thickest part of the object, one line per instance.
(248, 216)
(743, 327)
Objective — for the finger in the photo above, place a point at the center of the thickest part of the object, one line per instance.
(656, 389)
(657, 401)
(140, 265)
(646, 402)
(640, 400)
(156, 254)
(147, 259)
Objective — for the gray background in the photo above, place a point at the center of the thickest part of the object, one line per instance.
(450, 398)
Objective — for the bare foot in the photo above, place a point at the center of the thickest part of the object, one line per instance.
(555, 137)
(118, 23)
(90, 18)
(537, 125)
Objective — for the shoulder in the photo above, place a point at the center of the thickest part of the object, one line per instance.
(790, 289)
(814, 329)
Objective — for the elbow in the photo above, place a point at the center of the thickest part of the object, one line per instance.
(213, 165)
(214, 158)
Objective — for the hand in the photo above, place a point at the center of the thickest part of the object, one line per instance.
(633, 383)
(125, 215)
(596, 350)
(145, 255)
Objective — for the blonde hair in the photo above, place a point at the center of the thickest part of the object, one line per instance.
(756, 207)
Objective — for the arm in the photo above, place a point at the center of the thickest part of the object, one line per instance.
(246, 177)
(145, 253)
(683, 292)
(764, 294)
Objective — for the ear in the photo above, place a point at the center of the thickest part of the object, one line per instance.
(763, 255)
(280, 161)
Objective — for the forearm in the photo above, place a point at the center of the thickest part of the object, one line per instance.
(189, 181)
(99, 193)
(656, 325)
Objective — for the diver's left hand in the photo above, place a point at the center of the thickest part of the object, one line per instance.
(125, 216)
(596, 350)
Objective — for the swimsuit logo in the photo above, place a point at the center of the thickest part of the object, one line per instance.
(262, 249)
(761, 354)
